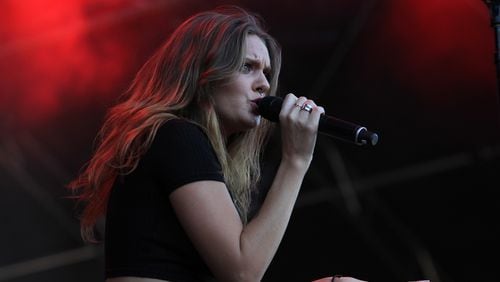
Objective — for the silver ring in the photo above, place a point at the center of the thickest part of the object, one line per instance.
(306, 107)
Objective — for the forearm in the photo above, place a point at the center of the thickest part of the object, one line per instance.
(237, 252)
(261, 237)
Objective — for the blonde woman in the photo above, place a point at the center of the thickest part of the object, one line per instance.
(178, 158)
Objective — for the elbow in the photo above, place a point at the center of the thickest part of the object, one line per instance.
(242, 267)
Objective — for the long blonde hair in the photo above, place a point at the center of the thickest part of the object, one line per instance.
(177, 82)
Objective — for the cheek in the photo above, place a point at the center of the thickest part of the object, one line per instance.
(220, 99)
(229, 99)
(232, 101)
(225, 106)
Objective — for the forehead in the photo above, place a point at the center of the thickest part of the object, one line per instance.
(257, 50)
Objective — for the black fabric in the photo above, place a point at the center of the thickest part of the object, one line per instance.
(143, 237)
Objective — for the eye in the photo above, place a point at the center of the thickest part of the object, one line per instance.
(268, 75)
(246, 68)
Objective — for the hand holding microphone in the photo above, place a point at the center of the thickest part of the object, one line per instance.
(270, 107)
(299, 120)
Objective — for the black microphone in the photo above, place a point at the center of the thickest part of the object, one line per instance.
(269, 108)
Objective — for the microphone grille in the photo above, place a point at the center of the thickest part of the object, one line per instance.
(270, 107)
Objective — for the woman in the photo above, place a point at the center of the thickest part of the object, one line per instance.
(179, 157)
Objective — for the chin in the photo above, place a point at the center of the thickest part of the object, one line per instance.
(254, 122)
(250, 124)
(247, 124)
(257, 120)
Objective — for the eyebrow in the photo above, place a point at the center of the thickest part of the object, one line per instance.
(267, 68)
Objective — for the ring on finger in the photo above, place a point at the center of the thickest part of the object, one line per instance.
(306, 107)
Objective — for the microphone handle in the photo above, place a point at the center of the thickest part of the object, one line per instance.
(346, 131)
(331, 126)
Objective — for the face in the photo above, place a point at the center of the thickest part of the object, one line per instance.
(235, 100)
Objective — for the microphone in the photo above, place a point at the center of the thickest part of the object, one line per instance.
(269, 108)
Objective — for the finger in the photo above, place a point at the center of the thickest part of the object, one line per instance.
(288, 103)
(317, 112)
(304, 112)
(311, 113)
(295, 111)
(311, 102)
(307, 107)
(312, 119)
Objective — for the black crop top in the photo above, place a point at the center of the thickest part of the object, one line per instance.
(143, 237)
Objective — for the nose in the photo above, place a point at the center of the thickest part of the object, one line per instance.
(261, 84)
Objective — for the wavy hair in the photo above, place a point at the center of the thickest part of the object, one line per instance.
(204, 52)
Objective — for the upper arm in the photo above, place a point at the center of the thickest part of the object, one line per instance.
(207, 213)
(184, 162)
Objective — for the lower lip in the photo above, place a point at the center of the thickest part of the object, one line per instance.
(255, 108)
